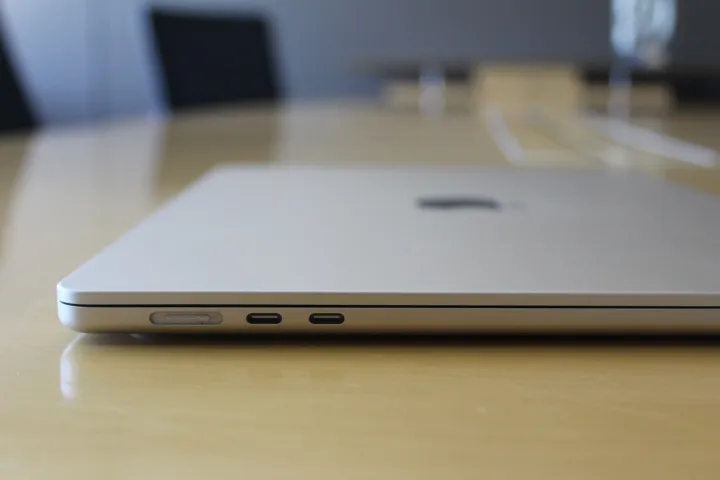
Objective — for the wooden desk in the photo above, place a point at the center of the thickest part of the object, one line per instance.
(123, 407)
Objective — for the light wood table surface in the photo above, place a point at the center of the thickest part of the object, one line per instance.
(124, 407)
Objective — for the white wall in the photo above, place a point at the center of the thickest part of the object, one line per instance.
(81, 59)
(49, 43)
(122, 65)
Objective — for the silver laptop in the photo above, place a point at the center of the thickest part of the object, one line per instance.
(416, 250)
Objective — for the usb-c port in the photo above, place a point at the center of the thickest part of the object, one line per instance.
(264, 318)
(327, 318)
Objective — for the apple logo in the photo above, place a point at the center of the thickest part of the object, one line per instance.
(459, 203)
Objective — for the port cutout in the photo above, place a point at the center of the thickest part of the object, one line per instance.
(327, 318)
(264, 318)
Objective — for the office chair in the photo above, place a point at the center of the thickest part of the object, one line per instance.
(15, 112)
(211, 59)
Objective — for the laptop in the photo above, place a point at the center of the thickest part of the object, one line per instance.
(278, 249)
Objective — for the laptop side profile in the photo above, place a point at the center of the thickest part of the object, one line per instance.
(410, 250)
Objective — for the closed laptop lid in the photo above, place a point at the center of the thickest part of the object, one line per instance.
(415, 236)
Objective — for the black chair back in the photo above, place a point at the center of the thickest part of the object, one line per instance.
(212, 59)
(15, 112)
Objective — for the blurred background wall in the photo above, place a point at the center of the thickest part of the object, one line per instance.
(89, 59)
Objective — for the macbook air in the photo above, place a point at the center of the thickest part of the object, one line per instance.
(409, 250)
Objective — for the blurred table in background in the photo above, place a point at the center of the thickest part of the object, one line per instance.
(422, 83)
(460, 84)
(126, 407)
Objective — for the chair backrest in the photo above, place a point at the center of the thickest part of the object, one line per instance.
(15, 113)
(209, 59)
